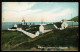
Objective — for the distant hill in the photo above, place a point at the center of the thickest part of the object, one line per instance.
(74, 19)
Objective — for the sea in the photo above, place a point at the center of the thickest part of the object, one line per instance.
(6, 25)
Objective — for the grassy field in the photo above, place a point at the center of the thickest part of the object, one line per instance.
(14, 40)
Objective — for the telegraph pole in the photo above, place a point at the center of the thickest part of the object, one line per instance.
(72, 21)
(41, 21)
(2, 19)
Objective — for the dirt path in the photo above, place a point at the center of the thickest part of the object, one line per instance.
(17, 45)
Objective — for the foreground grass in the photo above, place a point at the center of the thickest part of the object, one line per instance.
(64, 38)
(13, 38)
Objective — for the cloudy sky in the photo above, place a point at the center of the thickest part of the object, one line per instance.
(37, 11)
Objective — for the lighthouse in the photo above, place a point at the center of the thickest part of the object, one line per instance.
(23, 22)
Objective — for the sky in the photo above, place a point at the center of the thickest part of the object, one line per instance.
(37, 11)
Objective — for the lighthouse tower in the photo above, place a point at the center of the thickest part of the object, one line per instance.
(23, 22)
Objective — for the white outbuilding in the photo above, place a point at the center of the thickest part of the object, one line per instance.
(41, 29)
(15, 25)
(63, 25)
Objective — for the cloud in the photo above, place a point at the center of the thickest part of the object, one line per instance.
(14, 11)
(54, 14)
(50, 16)
(14, 6)
(23, 8)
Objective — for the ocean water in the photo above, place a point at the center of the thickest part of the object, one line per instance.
(6, 25)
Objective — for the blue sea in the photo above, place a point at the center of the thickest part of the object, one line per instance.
(6, 25)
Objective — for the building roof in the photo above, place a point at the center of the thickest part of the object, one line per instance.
(58, 24)
(72, 23)
(48, 26)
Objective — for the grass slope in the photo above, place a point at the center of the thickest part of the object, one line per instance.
(67, 37)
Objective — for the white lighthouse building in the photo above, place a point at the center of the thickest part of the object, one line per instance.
(23, 22)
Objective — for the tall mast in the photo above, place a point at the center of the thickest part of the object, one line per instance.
(71, 16)
(72, 21)
(41, 21)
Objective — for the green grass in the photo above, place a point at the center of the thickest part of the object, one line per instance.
(66, 38)
(14, 37)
